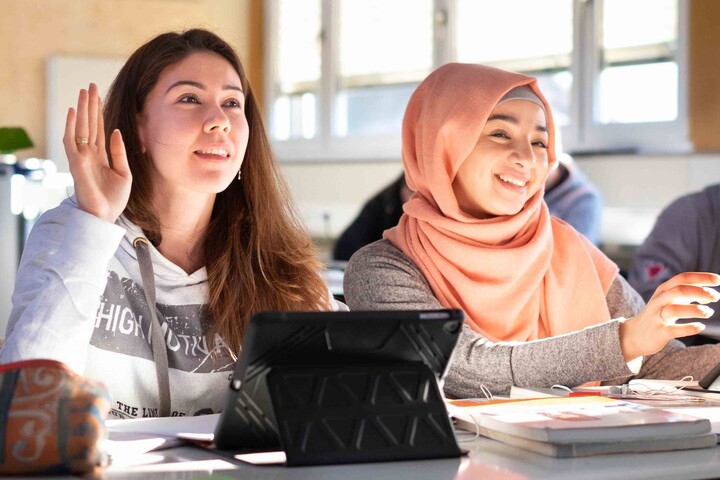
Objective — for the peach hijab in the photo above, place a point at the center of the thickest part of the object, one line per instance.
(520, 277)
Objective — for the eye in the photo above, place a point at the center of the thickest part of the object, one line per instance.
(189, 99)
(232, 103)
(540, 143)
(499, 134)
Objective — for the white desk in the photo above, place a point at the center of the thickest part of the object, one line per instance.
(488, 459)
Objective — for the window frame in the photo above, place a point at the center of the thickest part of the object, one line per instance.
(582, 136)
(592, 137)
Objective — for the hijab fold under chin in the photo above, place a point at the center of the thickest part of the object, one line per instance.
(519, 277)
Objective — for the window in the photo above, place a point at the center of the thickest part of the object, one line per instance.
(377, 68)
(637, 62)
(545, 54)
(298, 69)
(341, 71)
(639, 80)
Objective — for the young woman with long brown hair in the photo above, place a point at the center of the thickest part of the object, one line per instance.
(178, 232)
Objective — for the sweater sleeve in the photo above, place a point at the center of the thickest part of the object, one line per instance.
(62, 274)
(380, 277)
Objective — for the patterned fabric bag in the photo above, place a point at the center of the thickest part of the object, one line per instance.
(52, 420)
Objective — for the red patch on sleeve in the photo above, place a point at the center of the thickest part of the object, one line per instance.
(653, 270)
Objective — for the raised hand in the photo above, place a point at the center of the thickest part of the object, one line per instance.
(102, 189)
(683, 296)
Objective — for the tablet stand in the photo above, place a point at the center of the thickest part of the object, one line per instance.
(359, 413)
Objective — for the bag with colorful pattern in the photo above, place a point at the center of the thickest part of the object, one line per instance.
(52, 420)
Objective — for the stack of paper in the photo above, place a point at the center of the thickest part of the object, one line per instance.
(581, 426)
(132, 437)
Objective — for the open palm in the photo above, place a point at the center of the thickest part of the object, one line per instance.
(102, 188)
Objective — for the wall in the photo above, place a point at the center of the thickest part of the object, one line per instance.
(636, 188)
(331, 194)
(704, 78)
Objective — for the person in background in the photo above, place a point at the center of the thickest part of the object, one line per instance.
(569, 195)
(180, 229)
(685, 237)
(543, 305)
(377, 215)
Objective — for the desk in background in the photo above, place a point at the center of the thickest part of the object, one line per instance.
(333, 275)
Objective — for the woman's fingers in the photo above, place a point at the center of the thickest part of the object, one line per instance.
(686, 294)
(69, 136)
(118, 154)
(100, 128)
(671, 313)
(691, 278)
(93, 107)
(85, 127)
(682, 302)
(686, 329)
(682, 297)
(82, 133)
(102, 181)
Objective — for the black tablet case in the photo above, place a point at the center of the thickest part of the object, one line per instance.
(342, 387)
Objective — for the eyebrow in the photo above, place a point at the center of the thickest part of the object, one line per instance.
(514, 120)
(200, 86)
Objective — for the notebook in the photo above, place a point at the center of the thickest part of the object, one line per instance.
(600, 447)
(567, 420)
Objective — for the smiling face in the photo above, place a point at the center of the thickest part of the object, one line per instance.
(508, 164)
(193, 126)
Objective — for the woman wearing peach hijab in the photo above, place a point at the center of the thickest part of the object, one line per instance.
(543, 305)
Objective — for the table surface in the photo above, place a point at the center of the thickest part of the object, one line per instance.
(487, 459)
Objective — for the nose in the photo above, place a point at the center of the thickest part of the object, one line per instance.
(523, 154)
(216, 120)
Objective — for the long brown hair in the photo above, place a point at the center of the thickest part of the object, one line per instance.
(258, 254)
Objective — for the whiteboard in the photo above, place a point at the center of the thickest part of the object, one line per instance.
(66, 75)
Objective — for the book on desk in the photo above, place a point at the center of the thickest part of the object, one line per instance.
(581, 426)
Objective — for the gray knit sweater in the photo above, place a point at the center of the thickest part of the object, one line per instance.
(381, 277)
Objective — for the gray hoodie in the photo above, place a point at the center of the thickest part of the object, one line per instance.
(79, 299)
